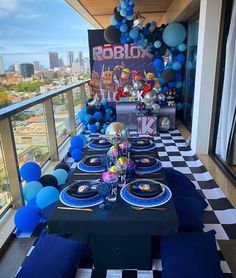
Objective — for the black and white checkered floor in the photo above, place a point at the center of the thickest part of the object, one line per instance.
(220, 215)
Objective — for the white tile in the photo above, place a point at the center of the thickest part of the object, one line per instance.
(69, 160)
(174, 131)
(162, 154)
(227, 216)
(176, 158)
(220, 232)
(197, 186)
(196, 163)
(187, 153)
(157, 264)
(177, 137)
(171, 149)
(31, 249)
(74, 165)
(159, 145)
(114, 273)
(167, 141)
(180, 144)
(144, 274)
(184, 170)
(224, 266)
(215, 193)
(166, 164)
(164, 134)
(83, 273)
(208, 208)
(203, 176)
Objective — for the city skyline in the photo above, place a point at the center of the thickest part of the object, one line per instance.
(26, 35)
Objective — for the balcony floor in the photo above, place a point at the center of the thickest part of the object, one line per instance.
(18, 248)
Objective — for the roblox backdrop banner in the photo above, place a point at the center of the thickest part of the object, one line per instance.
(115, 65)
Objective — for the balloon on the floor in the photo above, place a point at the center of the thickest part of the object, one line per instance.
(31, 189)
(47, 196)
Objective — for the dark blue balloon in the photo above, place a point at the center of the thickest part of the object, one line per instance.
(27, 218)
(77, 142)
(181, 58)
(30, 171)
(93, 128)
(98, 115)
(77, 154)
(70, 150)
(87, 117)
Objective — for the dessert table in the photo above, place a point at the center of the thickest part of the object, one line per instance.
(120, 236)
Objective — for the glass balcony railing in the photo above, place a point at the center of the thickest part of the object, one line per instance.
(34, 130)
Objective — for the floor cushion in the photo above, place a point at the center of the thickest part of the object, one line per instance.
(52, 257)
(180, 185)
(190, 255)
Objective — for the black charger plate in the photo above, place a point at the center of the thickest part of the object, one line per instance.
(93, 161)
(101, 142)
(155, 189)
(88, 193)
(139, 142)
(144, 161)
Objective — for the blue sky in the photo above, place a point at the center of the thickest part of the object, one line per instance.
(31, 28)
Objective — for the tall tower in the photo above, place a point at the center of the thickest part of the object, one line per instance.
(36, 65)
(70, 58)
(1, 65)
(53, 60)
(27, 70)
(81, 60)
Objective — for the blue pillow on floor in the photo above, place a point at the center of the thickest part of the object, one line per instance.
(52, 257)
(190, 255)
(189, 211)
(180, 185)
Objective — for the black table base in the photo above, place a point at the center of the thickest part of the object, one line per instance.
(121, 252)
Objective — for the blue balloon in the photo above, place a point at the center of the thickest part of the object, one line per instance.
(182, 47)
(113, 21)
(77, 154)
(83, 137)
(87, 117)
(123, 28)
(77, 142)
(32, 203)
(98, 115)
(118, 25)
(123, 12)
(129, 13)
(93, 128)
(61, 175)
(177, 66)
(102, 131)
(171, 84)
(123, 39)
(81, 115)
(158, 64)
(131, 2)
(97, 124)
(31, 189)
(30, 171)
(47, 196)
(181, 58)
(130, 17)
(157, 44)
(174, 34)
(27, 218)
(134, 33)
(70, 150)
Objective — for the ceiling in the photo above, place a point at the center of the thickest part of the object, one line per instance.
(98, 13)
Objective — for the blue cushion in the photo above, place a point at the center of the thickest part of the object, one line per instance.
(53, 256)
(180, 185)
(190, 255)
(189, 211)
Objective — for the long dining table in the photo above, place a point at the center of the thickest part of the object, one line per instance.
(121, 236)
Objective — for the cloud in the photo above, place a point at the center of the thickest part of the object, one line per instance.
(7, 7)
(29, 15)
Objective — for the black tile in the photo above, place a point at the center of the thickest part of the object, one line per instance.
(220, 204)
(198, 170)
(179, 164)
(174, 153)
(164, 158)
(156, 274)
(209, 217)
(230, 230)
(208, 184)
(99, 273)
(190, 158)
(129, 274)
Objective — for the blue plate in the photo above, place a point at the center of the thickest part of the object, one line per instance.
(143, 148)
(89, 168)
(68, 200)
(133, 200)
(96, 145)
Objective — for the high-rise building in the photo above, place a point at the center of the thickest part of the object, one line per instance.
(81, 60)
(1, 65)
(36, 65)
(61, 63)
(86, 63)
(17, 68)
(70, 58)
(53, 60)
(75, 67)
(27, 70)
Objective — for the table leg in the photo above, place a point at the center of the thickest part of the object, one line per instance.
(121, 252)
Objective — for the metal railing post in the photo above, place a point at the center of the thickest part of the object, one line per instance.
(83, 94)
(71, 111)
(10, 154)
(51, 130)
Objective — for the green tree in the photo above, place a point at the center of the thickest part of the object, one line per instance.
(4, 98)
(29, 86)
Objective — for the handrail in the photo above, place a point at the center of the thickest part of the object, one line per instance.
(22, 105)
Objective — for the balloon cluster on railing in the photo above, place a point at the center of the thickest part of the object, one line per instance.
(39, 192)
(165, 43)
(77, 144)
(96, 117)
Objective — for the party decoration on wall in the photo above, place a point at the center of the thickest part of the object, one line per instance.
(165, 44)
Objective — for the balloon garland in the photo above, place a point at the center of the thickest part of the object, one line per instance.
(165, 43)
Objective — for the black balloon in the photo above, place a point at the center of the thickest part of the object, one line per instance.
(162, 49)
(156, 34)
(92, 121)
(63, 166)
(112, 34)
(90, 110)
(48, 180)
(117, 15)
(168, 75)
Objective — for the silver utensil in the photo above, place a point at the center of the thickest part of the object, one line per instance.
(143, 208)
